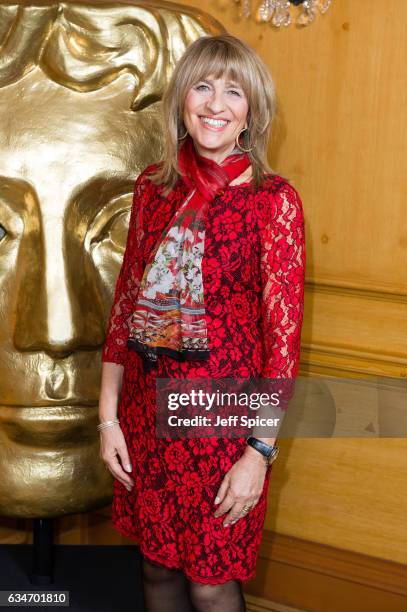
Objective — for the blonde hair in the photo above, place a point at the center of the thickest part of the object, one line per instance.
(226, 56)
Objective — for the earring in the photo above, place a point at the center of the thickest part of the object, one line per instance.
(237, 142)
(184, 136)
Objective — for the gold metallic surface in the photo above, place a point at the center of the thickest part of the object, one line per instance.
(80, 89)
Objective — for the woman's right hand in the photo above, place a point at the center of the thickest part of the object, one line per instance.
(112, 448)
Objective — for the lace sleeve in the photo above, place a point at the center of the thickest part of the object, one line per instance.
(282, 277)
(128, 282)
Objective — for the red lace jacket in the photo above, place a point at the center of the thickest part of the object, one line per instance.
(253, 273)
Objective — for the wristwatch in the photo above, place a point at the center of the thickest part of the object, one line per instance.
(269, 452)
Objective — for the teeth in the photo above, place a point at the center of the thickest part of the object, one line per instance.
(214, 122)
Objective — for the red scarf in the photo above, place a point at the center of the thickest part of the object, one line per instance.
(169, 313)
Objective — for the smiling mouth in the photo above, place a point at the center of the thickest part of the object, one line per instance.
(213, 123)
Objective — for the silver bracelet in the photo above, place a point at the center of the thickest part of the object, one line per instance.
(107, 424)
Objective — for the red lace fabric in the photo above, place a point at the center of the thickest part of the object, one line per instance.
(253, 273)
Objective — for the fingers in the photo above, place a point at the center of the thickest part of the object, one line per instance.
(124, 457)
(240, 491)
(236, 502)
(116, 469)
(239, 511)
(222, 490)
(235, 509)
(111, 451)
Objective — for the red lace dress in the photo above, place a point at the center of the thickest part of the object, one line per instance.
(253, 275)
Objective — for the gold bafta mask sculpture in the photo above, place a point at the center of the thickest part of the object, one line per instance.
(80, 90)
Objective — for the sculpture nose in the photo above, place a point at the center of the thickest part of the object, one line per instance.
(58, 308)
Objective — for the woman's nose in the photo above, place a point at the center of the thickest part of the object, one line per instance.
(216, 103)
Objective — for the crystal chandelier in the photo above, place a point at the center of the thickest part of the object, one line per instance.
(279, 11)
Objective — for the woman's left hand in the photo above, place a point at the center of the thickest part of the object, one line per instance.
(241, 486)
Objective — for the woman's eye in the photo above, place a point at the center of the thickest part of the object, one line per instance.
(234, 92)
(199, 87)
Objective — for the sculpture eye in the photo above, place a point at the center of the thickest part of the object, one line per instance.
(2, 232)
(118, 229)
(115, 230)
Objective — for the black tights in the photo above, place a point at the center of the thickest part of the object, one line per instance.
(168, 590)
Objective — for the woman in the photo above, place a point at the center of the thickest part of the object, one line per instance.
(212, 229)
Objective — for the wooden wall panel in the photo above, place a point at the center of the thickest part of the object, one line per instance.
(340, 136)
(348, 493)
(316, 578)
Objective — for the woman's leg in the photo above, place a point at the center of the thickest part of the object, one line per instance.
(165, 590)
(226, 597)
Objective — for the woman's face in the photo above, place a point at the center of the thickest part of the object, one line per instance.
(215, 111)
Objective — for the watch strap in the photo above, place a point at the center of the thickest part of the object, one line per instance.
(268, 451)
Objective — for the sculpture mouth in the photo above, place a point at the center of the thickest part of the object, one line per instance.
(45, 426)
(63, 403)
